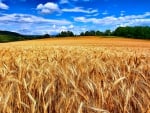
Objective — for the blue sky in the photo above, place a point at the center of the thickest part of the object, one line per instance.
(53, 16)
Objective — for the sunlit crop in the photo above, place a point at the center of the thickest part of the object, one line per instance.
(74, 79)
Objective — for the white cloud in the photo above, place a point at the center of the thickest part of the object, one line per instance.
(54, 26)
(3, 6)
(47, 8)
(51, 29)
(63, 28)
(104, 13)
(71, 26)
(64, 1)
(26, 18)
(30, 24)
(122, 13)
(92, 15)
(81, 10)
(116, 21)
(81, 0)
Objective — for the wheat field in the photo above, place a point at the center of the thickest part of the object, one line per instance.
(74, 79)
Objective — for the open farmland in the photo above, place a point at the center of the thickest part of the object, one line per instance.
(75, 75)
(86, 41)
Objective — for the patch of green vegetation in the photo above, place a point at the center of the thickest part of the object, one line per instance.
(137, 32)
(7, 36)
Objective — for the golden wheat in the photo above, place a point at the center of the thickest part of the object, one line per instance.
(65, 79)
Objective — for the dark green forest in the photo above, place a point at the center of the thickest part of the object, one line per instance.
(133, 32)
(137, 32)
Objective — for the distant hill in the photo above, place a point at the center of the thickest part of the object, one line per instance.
(8, 36)
(9, 33)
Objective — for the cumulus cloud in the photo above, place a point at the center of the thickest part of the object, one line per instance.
(46, 29)
(51, 7)
(116, 21)
(80, 10)
(3, 6)
(71, 26)
(47, 8)
(31, 24)
(26, 18)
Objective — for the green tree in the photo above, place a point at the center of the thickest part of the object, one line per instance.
(65, 34)
(140, 32)
(82, 34)
(107, 32)
(46, 36)
(99, 33)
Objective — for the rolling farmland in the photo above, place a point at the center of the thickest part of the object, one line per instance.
(75, 75)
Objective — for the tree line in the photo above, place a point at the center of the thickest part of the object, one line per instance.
(139, 32)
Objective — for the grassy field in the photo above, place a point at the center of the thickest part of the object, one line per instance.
(75, 75)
